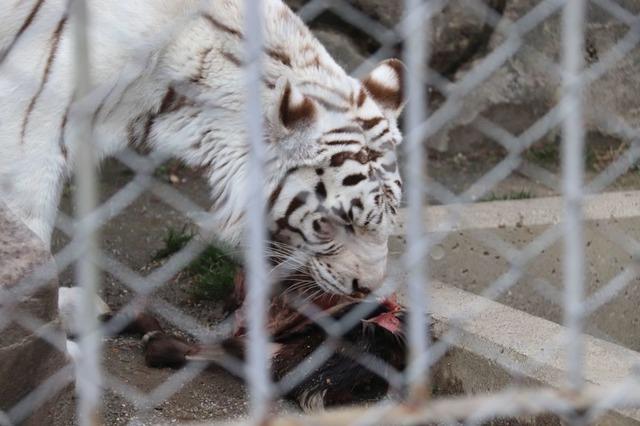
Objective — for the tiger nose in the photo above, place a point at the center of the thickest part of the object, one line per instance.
(369, 281)
(357, 290)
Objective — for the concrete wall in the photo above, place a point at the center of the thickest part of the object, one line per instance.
(469, 257)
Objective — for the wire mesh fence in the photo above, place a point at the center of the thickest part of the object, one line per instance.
(536, 101)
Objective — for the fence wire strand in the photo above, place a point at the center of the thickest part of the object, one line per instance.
(416, 53)
(573, 149)
(257, 280)
(88, 368)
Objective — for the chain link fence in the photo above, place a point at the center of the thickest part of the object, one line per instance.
(508, 99)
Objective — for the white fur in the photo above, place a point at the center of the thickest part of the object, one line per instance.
(138, 51)
(312, 401)
(386, 76)
(159, 42)
(69, 299)
(73, 352)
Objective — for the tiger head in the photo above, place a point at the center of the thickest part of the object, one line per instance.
(339, 194)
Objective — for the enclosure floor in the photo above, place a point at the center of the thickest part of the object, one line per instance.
(137, 233)
(213, 395)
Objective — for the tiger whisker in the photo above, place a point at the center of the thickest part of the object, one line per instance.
(300, 285)
(305, 288)
(312, 296)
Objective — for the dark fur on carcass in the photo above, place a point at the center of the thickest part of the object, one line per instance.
(339, 380)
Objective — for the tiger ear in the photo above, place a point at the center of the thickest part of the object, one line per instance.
(293, 111)
(294, 119)
(385, 86)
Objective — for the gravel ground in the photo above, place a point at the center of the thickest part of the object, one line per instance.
(132, 238)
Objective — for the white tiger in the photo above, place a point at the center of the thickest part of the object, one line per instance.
(168, 74)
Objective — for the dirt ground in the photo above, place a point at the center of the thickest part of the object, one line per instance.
(134, 236)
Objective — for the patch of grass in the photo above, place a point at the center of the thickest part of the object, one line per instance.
(601, 153)
(523, 194)
(591, 160)
(211, 274)
(544, 154)
(162, 171)
(549, 154)
(174, 241)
